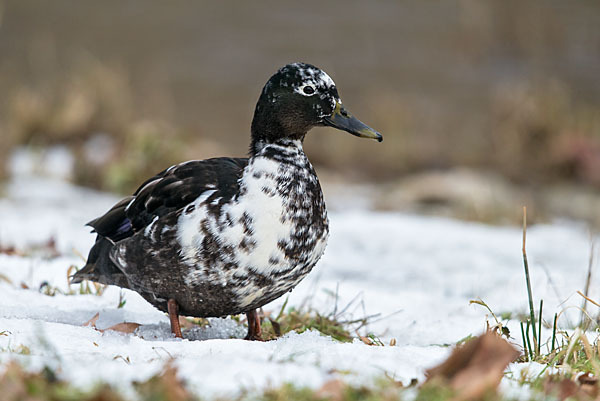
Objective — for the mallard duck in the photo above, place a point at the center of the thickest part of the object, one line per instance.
(225, 236)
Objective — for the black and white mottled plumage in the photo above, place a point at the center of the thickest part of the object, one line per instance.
(227, 235)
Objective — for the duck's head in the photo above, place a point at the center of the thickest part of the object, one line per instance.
(297, 98)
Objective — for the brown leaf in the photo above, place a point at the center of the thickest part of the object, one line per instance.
(587, 378)
(585, 387)
(125, 327)
(185, 323)
(8, 250)
(333, 390)
(591, 390)
(562, 389)
(276, 327)
(589, 384)
(4, 277)
(476, 367)
(365, 340)
(166, 386)
(92, 321)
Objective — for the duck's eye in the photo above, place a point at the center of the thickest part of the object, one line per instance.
(308, 90)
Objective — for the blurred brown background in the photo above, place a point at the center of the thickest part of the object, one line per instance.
(484, 105)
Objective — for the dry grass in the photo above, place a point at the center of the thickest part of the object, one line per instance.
(572, 355)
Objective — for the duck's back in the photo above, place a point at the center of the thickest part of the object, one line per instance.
(157, 197)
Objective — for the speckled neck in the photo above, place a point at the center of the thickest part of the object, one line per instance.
(283, 147)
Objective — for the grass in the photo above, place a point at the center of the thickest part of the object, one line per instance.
(19, 349)
(17, 384)
(339, 323)
(303, 319)
(300, 321)
(566, 354)
(571, 351)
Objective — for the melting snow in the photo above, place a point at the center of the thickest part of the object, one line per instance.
(419, 273)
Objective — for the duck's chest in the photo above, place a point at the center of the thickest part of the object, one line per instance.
(261, 243)
(271, 233)
(283, 215)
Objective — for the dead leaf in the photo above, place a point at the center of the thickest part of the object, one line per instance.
(562, 389)
(365, 340)
(589, 385)
(585, 387)
(185, 323)
(4, 277)
(276, 327)
(332, 390)
(125, 327)
(92, 321)
(587, 378)
(8, 250)
(166, 386)
(124, 359)
(475, 368)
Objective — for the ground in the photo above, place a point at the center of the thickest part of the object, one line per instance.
(417, 274)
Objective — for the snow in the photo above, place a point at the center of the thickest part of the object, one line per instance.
(418, 273)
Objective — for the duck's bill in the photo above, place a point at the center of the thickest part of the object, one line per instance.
(345, 121)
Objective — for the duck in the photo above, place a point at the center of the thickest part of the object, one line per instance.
(225, 236)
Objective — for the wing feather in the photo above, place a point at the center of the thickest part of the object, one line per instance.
(170, 190)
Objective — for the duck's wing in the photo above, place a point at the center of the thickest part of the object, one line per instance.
(168, 191)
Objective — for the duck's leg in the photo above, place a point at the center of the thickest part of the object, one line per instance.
(173, 309)
(254, 331)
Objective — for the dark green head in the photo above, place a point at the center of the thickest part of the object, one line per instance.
(298, 97)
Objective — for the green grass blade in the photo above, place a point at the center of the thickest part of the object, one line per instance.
(528, 281)
(528, 342)
(539, 345)
(524, 341)
(554, 331)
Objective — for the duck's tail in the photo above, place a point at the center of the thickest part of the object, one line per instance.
(99, 267)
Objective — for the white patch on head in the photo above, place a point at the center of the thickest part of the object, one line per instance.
(301, 90)
(314, 77)
(318, 76)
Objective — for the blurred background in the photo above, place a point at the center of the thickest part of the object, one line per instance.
(485, 106)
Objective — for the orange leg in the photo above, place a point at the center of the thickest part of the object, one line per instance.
(254, 331)
(173, 309)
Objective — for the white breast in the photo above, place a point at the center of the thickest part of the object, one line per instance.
(252, 226)
(260, 201)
